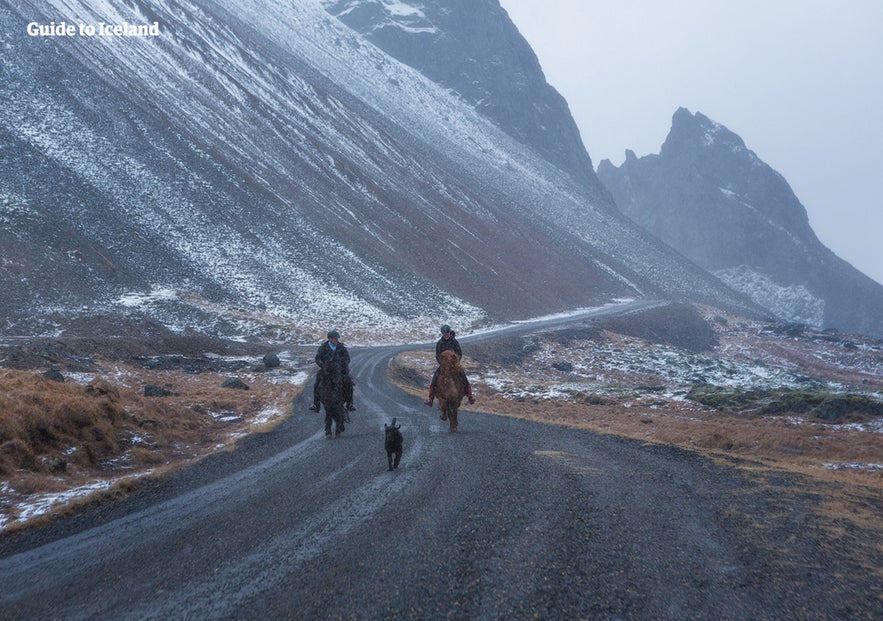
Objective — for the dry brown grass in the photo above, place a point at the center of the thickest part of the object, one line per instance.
(773, 440)
(56, 436)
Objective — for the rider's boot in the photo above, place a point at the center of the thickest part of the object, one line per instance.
(431, 396)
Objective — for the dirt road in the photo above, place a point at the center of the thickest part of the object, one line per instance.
(504, 520)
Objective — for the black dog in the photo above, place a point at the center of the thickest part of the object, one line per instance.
(393, 443)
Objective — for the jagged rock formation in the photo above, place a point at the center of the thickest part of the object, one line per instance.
(711, 198)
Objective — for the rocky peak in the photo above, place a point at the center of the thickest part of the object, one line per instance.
(711, 198)
(696, 132)
(472, 48)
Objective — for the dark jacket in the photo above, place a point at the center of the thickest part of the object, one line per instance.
(444, 345)
(325, 356)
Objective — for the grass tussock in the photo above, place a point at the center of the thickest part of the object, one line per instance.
(46, 425)
(55, 436)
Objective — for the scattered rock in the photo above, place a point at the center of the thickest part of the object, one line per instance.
(235, 383)
(190, 364)
(157, 391)
(793, 330)
(565, 367)
(54, 374)
(57, 465)
(271, 360)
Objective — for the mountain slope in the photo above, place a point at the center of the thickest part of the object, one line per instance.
(474, 49)
(262, 169)
(714, 200)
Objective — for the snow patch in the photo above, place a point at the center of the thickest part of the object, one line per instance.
(853, 466)
(405, 16)
(138, 300)
(42, 504)
(795, 303)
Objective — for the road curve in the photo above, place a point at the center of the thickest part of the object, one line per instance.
(506, 519)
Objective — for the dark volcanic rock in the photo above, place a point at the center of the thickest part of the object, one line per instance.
(54, 375)
(157, 391)
(271, 360)
(565, 367)
(235, 383)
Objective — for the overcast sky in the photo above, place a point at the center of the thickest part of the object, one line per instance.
(801, 81)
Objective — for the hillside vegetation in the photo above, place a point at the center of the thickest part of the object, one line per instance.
(65, 434)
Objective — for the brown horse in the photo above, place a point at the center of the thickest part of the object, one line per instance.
(449, 387)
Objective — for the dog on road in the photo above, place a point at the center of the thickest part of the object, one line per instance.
(393, 444)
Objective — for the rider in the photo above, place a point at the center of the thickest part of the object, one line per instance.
(330, 351)
(448, 341)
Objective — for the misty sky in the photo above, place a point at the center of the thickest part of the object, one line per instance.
(801, 81)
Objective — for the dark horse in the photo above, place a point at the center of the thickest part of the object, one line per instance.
(449, 387)
(332, 394)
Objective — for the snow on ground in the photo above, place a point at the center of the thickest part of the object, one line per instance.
(41, 504)
(17, 508)
(796, 302)
(750, 356)
(872, 467)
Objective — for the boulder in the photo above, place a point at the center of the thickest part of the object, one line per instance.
(235, 383)
(54, 375)
(156, 391)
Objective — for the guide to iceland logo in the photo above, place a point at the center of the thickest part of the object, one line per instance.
(101, 29)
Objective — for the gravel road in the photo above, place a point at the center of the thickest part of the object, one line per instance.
(504, 520)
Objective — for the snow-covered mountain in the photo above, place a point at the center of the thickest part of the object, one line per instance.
(472, 48)
(711, 198)
(260, 167)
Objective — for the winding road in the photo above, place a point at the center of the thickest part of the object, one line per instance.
(506, 519)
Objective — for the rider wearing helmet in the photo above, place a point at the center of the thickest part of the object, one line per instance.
(448, 341)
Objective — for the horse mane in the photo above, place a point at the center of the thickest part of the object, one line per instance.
(449, 360)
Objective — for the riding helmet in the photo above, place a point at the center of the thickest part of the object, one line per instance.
(445, 329)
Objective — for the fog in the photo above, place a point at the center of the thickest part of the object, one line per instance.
(801, 81)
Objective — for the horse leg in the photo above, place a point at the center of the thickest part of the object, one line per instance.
(341, 414)
(398, 458)
(328, 417)
(452, 415)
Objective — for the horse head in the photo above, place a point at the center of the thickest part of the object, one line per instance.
(333, 370)
(449, 360)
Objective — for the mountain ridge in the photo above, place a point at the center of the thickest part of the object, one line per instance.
(278, 173)
(448, 42)
(714, 200)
